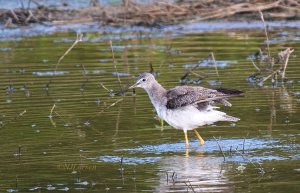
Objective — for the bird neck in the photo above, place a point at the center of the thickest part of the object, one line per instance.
(157, 94)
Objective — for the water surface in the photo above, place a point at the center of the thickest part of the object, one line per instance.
(62, 131)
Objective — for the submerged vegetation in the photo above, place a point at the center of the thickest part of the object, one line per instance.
(269, 67)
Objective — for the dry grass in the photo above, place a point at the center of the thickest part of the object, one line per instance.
(157, 13)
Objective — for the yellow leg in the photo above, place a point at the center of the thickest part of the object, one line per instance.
(187, 145)
(199, 137)
(162, 123)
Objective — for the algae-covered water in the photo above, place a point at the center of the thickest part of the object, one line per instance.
(72, 130)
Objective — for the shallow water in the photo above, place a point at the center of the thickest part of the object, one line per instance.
(70, 134)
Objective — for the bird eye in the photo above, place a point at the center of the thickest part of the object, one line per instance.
(144, 80)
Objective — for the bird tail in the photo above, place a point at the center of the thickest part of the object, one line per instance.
(230, 91)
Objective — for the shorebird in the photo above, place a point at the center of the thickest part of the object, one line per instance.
(186, 107)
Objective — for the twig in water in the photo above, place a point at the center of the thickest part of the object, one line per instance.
(78, 39)
(87, 123)
(134, 173)
(287, 53)
(185, 75)
(19, 115)
(61, 117)
(215, 65)
(198, 75)
(255, 66)
(262, 171)
(19, 152)
(191, 71)
(115, 67)
(51, 111)
(173, 176)
(53, 122)
(134, 177)
(22, 113)
(121, 162)
(244, 143)
(271, 75)
(190, 186)
(47, 85)
(167, 177)
(111, 92)
(17, 182)
(244, 146)
(220, 148)
(107, 188)
(50, 115)
(117, 122)
(243, 156)
(122, 169)
(266, 34)
(113, 104)
(104, 87)
(3, 123)
(84, 71)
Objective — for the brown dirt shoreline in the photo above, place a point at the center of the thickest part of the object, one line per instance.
(155, 14)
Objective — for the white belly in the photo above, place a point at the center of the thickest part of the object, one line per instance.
(189, 118)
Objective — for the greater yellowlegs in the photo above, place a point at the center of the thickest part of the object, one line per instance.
(186, 107)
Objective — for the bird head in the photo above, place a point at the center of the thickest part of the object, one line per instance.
(144, 81)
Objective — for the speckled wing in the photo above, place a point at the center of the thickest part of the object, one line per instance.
(181, 96)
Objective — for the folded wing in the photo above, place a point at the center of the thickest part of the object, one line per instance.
(181, 96)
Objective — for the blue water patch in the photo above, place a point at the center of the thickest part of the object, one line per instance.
(214, 82)
(123, 74)
(16, 34)
(50, 73)
(128, 160)
(117, 37)
(5, 49)
(64, 40)
(209, 147)
(235, 150)
(296, 93)
(120, 48)
(85, 183)
(12, 190)
(286, 36)
(284, 39)
(210, 63)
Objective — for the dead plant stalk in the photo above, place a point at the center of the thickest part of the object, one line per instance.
(115, 66)
(266, 34)
(255, 66)
(78, 39)
(220, 149)
(105, 87)
(289, 51)
(215, 65)
(51, 111)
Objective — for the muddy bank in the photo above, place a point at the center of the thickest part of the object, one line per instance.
(154, 14)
